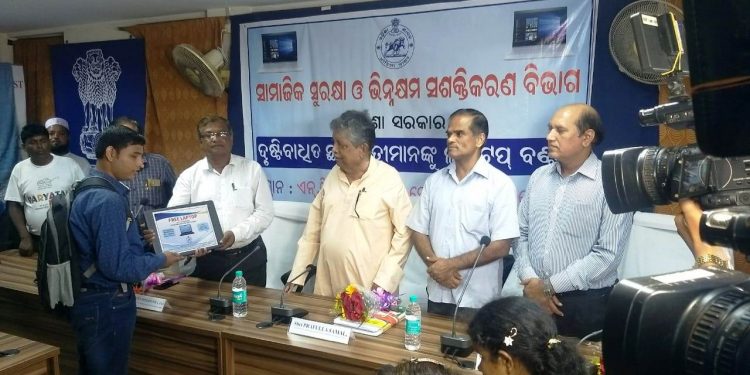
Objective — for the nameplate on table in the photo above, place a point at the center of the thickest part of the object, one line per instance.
(318, 330)
(150, 303)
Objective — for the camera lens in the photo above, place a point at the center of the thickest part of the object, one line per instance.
(687, 322)
(637, 177)
(717, 330)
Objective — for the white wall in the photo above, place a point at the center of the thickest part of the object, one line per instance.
(6, 51)
(95, 32)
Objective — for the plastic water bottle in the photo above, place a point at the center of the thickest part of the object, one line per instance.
(412, 339)
(239, 295)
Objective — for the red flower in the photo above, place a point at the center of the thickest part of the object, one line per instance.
(354, 306)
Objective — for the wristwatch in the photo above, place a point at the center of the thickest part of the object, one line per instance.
(710, 259)
(549, 291)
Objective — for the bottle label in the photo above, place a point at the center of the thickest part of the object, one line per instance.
(413, 325)
(239, 296)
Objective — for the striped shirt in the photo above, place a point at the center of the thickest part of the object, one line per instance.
(153, 184)
(568, 233)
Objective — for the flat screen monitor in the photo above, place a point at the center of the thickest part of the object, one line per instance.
(279, 47)
(540, 27)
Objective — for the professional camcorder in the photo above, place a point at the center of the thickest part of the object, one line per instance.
(640, 177)
(695, 321)
(689, 322)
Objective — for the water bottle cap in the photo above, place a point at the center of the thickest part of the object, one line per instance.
(238, 273)
(413, 298)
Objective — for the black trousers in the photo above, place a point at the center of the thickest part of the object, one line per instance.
(215, 264)
(9, 237)
(584, 311)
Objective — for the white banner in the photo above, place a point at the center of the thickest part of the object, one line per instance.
(411, 67)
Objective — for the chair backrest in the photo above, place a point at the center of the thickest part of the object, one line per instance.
(285, 276)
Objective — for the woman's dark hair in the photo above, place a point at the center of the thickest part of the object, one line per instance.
(534, 334)
(415, 367)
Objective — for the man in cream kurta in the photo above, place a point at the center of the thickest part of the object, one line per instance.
(357, 223)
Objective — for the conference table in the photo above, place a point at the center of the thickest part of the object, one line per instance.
(183, 340)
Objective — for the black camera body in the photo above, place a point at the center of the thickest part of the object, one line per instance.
(688, 322)
(640, 177)
(695, 321)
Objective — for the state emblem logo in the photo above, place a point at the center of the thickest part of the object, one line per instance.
(394, 46)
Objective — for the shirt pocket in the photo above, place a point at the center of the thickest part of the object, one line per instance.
(369, 207)
(581, 217)
(475, 219)
(244, 197)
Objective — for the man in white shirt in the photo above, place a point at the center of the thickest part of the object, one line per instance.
(459, 205)
(33, 182)
(59, 136)
(571, 243)
(239, 189)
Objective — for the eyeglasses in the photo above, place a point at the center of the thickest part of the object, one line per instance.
(209, 135)
(357, 201)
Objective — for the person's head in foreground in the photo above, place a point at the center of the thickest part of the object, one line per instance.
(416, 366)
(514, 336)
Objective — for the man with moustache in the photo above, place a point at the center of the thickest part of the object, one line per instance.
(460, 204)
(571, 243)
(239, 189)
(59, 134)
(356, 227)
(103, 316)
(32, 182)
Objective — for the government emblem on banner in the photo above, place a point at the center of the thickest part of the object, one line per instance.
(97, 88)
(395, 45)
(94, 83)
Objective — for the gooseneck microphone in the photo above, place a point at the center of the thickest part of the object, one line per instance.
(460, 345)
(221, 306)
(283, 313)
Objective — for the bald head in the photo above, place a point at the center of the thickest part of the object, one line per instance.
(586, 117)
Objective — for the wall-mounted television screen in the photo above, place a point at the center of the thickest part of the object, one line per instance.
(279, 47)
(540, 27)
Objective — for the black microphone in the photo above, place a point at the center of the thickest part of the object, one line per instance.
(460, 345)
(221, 306)
(284, 314)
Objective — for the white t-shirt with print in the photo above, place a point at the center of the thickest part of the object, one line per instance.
(32, 186)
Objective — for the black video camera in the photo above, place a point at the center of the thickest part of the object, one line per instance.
(695, 321)
(719, 61)
(639, 177)
(689, 322)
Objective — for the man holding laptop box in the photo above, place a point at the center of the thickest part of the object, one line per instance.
(103, 315)
(238, 189)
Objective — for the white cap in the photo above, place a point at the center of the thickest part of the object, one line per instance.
(56, 121)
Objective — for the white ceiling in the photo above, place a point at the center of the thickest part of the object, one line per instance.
(26, 17)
